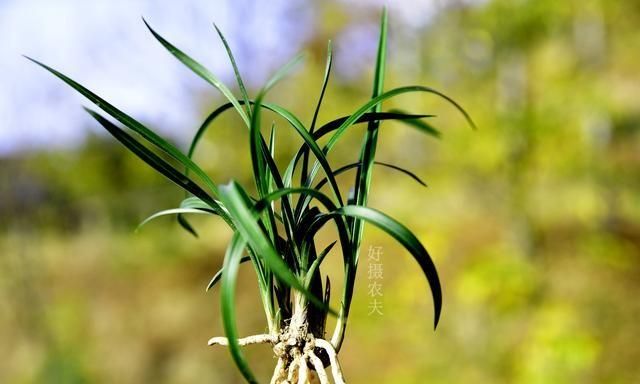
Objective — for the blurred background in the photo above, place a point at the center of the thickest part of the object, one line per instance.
(533, 220)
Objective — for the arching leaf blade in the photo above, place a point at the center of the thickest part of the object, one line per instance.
(419, 124)
(246, 223)
(312, 127)
(159, 164)
(230, 266)
(201, 71)
(347, 167)
(236, 71)
(405, 237)
(174, 211)
(214, 280)
(316, 264)
(134, 125)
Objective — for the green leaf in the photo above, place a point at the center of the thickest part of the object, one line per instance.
(134, 125)
(308, 139)
(295, 123)
(230, 266)
(316, 264)
(335, 124)
(246, 223)
(184, 223)
(376, 100)
(201, 71)
(256, 150)
(322, 131)
(188, 205)
(265, 170)
(205, 125)
(218, 274)
(405, 237)
(272, 153)
(159, 164)
(343, 231)
(282, 72)
(243, 90)
(325, 81)
(197, 203)
(364, 172)
(419, 124)
(402, 170)
(174, 211)
(347, 167)
(366, 118)
(388, 95)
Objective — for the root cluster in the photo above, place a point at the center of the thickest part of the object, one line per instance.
(298, 356)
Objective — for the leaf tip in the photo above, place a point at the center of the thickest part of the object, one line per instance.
(31, 59)
(217, 29)
(153, 32)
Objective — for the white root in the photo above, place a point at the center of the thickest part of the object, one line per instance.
(277, 375)
(318, 366)
(335, 366)
(303, 371)
(292, 369)
(255, 339)
(298, 368)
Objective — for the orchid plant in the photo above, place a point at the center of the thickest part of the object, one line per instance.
(276, 228)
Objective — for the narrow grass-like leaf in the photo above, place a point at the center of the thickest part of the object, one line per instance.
(214, 280)
(175, 211)
(368, 151)
(295, 123)
(316, 264)
(388, 95)
(308, 139)
(197, 203)
(283, 71)
(334, 125)
(343, 231)
(408, 240)
(376, 100)
(319, 133)
(159, 164)
(364, 172)
(312, 127)
(421, 125)
(265, 170)
(256, 150)
(347, 167)
(272, 154)
(134, 125)
(236, 71)
(229, 276)
(245, 221)
(201, 71)
(205, 125)
(184, 223)
(367, 118)
(188, 205)
(402, 170)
